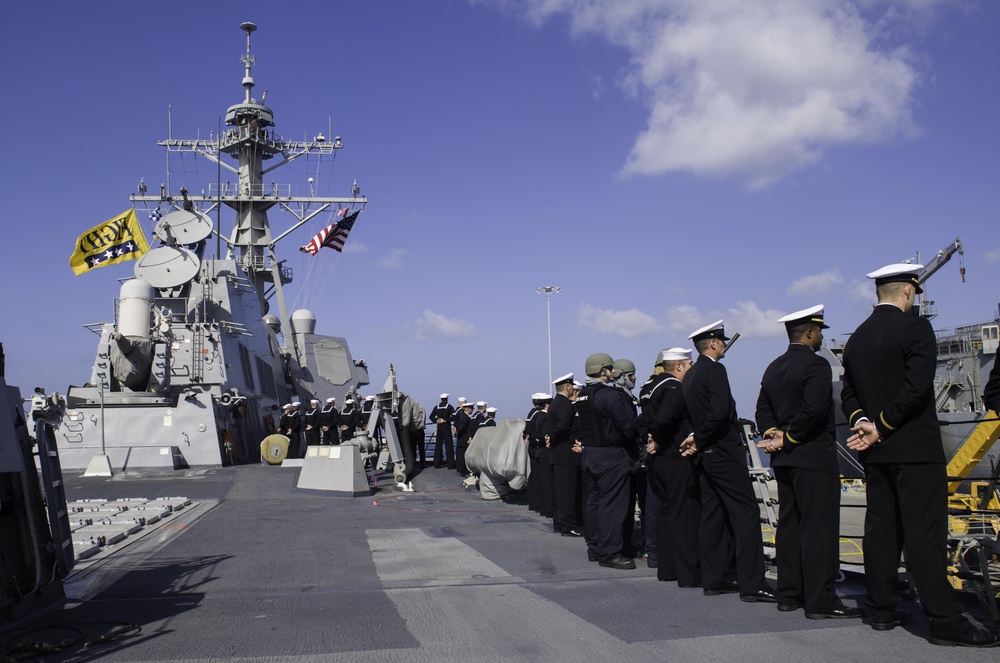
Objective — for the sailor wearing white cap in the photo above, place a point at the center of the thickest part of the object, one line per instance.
(294, 430)
(463, 423)
(311, 421)
(329, 419)
(888, 398)
(649, 396)
(565, 463)
(673, 476)
(491, 417)
(444, 444)
(529, 439)
(727, 493)
(350, 418)
(286, 410)
(542, 469)
(795, 412)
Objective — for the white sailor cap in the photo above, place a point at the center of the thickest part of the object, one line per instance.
(813, 314)
(566, 378)
(541, 396)
(349, 400)
(491, 409)
(444, 396)
(331, 400)
(286, 406)
(296, 404)
(714, 330)
(369, 398)
(577, 385)
(462, 399)
(899, 272)
(480, 403)
(467, 404)
(675, 354)
(313, 400)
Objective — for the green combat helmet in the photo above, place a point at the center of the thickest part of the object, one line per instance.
(596, 362)
(659, 357)
(622, 367)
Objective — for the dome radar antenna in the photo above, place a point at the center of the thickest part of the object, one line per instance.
(248, 59)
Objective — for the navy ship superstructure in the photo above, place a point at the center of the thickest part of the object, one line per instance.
(196, 358)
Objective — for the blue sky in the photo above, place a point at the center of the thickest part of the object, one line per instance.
(665, 162)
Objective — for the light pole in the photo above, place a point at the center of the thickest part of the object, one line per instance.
(549, 290)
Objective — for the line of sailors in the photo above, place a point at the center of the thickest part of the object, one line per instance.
(683, 460)
(701, 515)
(321, 425)
(455, 429)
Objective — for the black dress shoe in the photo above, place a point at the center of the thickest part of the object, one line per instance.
(652, 563)
(619, 562)
(765, 595)
(972, 636)
(727, 587)
(898, 617)
(788, 607)
(592, 556)
(571, 532)
(843, 612)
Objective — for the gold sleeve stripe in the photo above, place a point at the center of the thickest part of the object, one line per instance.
(886, 423)
(790, 438)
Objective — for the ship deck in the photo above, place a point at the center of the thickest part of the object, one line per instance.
(257, 570)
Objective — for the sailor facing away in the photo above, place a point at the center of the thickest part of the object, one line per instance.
(888, 398)
(795, 412)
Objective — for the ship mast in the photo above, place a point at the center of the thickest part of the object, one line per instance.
(250, 140)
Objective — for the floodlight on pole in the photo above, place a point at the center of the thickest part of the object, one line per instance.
(548, 291)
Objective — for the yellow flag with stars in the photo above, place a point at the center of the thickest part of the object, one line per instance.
(114, 241)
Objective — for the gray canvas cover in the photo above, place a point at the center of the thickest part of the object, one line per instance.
(500, 457)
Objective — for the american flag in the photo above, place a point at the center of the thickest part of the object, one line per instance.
(333, 236)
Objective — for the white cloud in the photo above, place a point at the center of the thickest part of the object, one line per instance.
(394, 260)
(746, 318)
(993, 255)
(861, 290)
(627, 324)
(355, 247)
(816, 284)
(754, 90)
(433, 326)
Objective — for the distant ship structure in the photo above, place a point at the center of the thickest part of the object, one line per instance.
(197, 357)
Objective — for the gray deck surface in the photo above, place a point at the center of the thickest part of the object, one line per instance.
(259, 571)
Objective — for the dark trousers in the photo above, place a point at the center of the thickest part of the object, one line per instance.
(546, 501)
(419, 446)
(606, 489)
(331, 436)
(534, 480)
(651, 512)
(806, 542)
(907, 507)
(444, 445)
(729, 514)
(460, 449)
(679, 520)
(566, 490)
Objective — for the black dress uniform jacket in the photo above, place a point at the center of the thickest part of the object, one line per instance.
(560, 420)
(796, 396)
(728, 499)
(889, 366)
